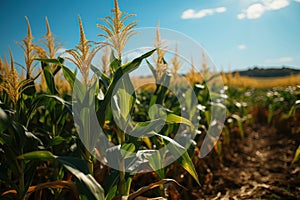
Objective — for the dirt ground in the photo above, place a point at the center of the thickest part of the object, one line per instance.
(258, 167)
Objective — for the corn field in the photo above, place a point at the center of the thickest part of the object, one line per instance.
(49, 148)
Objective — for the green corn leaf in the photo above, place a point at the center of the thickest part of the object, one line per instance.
(123, 102)
(144, 128)
(56, 141)
(37, 155)
(172, 118)
(91, 92)
(241, 128)
(4, 120)
(2, 141)
(162, 89)
(153, 70)
(77, 167)
(136, 62)
(184, 160)
(155, 162)
(127, 150)
(74, 162)
(112, 192)
(128, 185)
(69, 75)
(85, 133)
(18, 132)
(297, 155)
(157, 111)
(115, 63)
(28, 86)
(42, 100)
(56, 70)
(57, 61)
(60, 100)
(49, 79)
(6, 139)
(79, 91)
(117, 76)
(86, 181)
(112, 179)
(103, 78)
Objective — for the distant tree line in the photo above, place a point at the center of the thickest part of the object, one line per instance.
(268, 72)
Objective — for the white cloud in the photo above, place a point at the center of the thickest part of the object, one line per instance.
(241, 16)
(241, 47)
(276, 4)
(279, 60)
(257, 9)
(221, 9)
(297, 1)
(192, 14)
(188, 14)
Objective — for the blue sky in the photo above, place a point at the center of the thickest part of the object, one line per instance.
(237, 34)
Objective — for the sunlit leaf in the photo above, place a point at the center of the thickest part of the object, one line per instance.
(125, 69)
(184, 159)
(49, 79)
(127, 150)
(144, 189)
(172, 118)
(111, 193)
(37, 155)
(54, 61)
(88, 180)
(57, 141)
(69, 75)
(155, 161)
(4, 120)
(297, 155)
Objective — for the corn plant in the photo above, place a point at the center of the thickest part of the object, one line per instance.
(104, 118)
(108, 112)
(279, 100)
(238, 106)
(292, 113)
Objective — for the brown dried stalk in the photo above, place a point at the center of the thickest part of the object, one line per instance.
(61, 184)
(144, 189)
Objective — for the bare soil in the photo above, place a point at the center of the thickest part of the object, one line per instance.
(258, 167)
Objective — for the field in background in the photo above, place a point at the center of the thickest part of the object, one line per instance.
(259, 82)
(235, 80)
